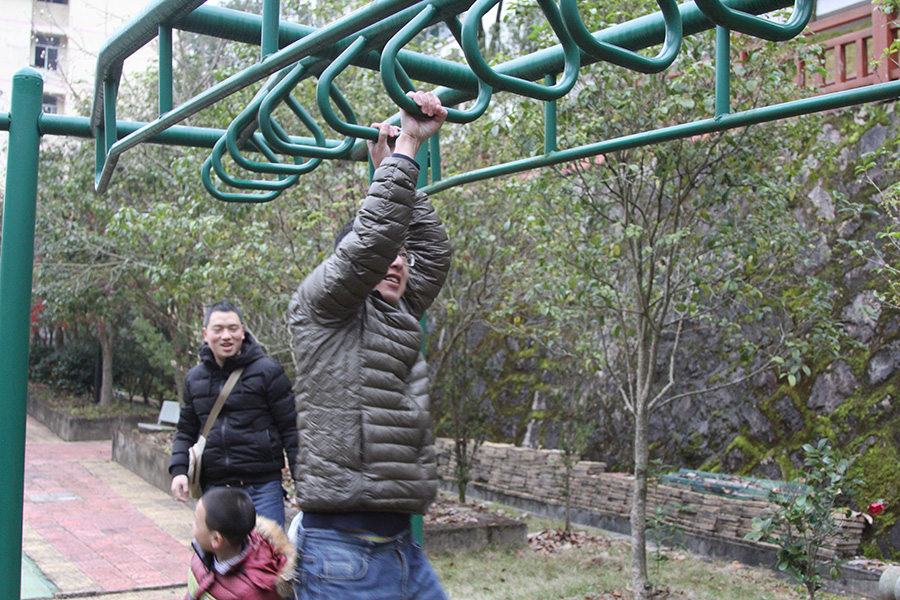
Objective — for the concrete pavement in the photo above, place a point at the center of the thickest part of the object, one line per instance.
(92, 528)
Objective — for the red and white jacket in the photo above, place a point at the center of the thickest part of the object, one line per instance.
(263, 573)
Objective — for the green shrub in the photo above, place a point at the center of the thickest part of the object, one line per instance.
(71, 368)
(804, 521)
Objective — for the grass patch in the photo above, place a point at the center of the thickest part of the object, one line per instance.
(596, 566)
(81, 405)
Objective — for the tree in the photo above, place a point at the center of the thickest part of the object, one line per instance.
(78, 271)
(654, 249)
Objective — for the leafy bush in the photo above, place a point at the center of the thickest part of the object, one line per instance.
(804, 521)
(140, 367)
(83, 405)
(71, 368)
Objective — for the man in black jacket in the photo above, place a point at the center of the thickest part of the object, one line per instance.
(256, 426)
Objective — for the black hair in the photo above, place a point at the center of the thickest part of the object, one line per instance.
(230, 512)
(342, 232)
(222, 306)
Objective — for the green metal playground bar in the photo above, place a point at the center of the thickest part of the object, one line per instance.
(373, 37)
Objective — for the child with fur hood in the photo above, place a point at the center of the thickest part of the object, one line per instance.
(237, 555)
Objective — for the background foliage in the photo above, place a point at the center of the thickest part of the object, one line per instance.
(702, 284)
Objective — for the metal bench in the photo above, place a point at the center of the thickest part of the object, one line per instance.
(168, 418)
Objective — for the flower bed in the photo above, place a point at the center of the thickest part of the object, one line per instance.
(79, 420)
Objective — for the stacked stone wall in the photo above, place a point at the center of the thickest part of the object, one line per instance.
(539, 476)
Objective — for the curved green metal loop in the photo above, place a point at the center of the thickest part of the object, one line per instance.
(622, 56)
(230, 196)
(245, 119)
(270, 129)
(389, 67)
(515, 84)
(326, 87)
(276, 137)
(736, 20)
(284, 181)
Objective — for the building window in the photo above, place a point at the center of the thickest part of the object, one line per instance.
(50, 104)
(46, 52)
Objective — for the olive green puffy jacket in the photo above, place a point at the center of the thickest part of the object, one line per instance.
(362, 389)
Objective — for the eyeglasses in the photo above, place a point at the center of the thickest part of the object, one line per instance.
(408, 259)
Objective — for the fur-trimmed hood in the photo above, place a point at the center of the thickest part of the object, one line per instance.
(270, 531)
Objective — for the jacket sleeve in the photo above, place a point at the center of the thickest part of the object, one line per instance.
(428, 243)
(186, 433)
(340, 285)
(280, 397)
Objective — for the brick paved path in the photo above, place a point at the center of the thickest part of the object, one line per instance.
(93, 527)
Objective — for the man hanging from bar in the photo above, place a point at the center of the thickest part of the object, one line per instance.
(366, 461)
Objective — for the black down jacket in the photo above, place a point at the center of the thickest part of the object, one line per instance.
(257, 424)
(362, 383)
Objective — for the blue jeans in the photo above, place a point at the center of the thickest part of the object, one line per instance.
(268, 499)
(336, 565)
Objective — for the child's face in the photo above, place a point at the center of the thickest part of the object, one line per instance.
(201, 532)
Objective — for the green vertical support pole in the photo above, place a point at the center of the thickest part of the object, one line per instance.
(110, 93)
(423, 159)
(435, 157)
(269, 40)
(550, 119)
(165, 70)
(16, 273)
(723, 71)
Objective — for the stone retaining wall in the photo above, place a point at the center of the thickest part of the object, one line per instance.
(538, 476)
(77, 429)
(150, 462)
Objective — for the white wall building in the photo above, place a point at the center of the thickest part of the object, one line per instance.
(61, 39)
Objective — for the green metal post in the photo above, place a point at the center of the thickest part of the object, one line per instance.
(269, 36)
(165, 69)
(434, 157)
(550, 119)
(723, 71)
(16, 272)
(417, 523)
(110, 93)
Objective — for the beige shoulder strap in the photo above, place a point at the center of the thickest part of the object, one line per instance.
(220, 401)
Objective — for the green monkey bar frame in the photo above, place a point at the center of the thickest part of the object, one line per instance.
(372, 37)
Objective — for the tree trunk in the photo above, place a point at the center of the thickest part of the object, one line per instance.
(179, 369)
(107, 336)
(568, 491)
(59, 338)
(462, 468)
(639, 579)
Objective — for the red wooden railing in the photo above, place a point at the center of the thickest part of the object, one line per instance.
(857, 57)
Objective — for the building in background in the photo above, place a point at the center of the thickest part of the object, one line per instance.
(856, 39)
(61, 39)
